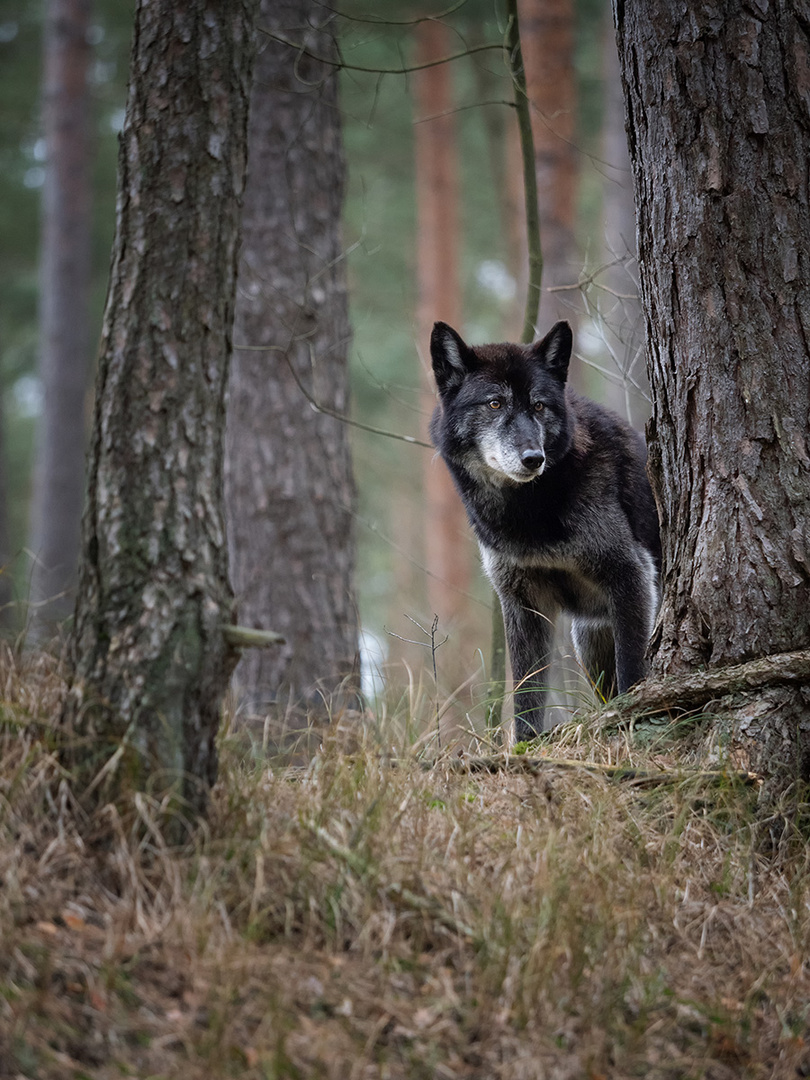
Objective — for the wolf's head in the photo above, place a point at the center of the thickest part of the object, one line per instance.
(502, 412)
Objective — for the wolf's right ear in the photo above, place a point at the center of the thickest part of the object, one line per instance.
(452, 359)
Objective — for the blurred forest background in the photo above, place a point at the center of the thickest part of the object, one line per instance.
(383, 116)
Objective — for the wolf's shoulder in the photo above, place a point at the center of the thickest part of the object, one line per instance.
(601, 432)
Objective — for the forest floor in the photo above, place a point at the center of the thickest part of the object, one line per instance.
(373, 914)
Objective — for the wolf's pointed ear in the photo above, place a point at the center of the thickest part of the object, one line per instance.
(452, 359)
(554, 351)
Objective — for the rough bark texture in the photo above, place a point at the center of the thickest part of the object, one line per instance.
(290, 490)
(547, 37)
(64, 316)
(719, 129)
(447, 535)
(149, 662)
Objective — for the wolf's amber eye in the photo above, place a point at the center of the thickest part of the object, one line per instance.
(539, 406)
(494, 404)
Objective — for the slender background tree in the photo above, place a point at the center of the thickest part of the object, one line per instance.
(617, 302)
(56, 507)
(6, 583)
(448, 552)
(547, 34)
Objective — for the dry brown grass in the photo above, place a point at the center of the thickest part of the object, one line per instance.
(360, 918)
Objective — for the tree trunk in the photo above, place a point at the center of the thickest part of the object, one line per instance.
(620, 315)
(513, 210)
(6, 584)
(149, 663)
(290, 488)
(447, 534)
(547, 41)
(718, 120)
(64, 316)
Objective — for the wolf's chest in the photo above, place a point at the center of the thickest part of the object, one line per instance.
(524, 528)
(553, 577)
(543, 551)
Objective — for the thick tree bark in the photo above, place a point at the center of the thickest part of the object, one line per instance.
(149, 663)
(719, 128)
(290, 489)
(56, 507)
(447, 534)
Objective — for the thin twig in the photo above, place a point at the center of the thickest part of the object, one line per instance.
(395, 22)
(433, 645)
(404, 70)
(325, 409)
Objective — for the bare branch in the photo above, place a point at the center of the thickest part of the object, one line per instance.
(244, 637)
(396, 22)
(404, 70)
(324, 409)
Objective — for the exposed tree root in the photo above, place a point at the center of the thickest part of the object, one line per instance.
(684, 693)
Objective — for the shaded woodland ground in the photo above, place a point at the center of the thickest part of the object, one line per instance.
(379, 913)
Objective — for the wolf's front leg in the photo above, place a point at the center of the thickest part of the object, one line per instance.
(529, 636)
(635, 605)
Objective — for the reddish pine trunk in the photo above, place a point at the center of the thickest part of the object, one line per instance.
(64, 315)
(547, 41)
(6, 586)
(447, 550)
(619, 304)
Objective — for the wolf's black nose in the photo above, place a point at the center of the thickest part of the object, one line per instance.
(532, 459)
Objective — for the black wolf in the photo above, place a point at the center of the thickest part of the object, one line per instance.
(556, 490)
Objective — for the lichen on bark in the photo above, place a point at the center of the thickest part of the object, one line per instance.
(148, 660)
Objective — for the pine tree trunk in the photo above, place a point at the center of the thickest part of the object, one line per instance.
(64, 316)
(149, 661)
(718, 102)
(7, 619)
(547, 41)
(447, 534)
(290, 487)
(619, 304)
